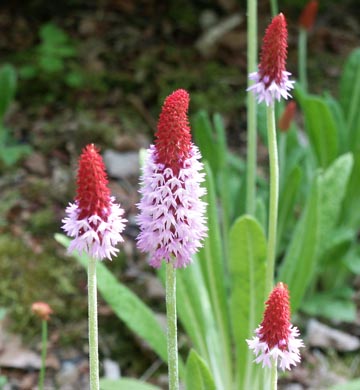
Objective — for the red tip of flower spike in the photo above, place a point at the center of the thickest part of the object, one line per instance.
(173, 139)
(308, 15)
(276, 322)
(93, 195)
(287, 116)
(42, 310)
(274, 51)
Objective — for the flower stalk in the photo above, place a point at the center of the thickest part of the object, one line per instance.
(95, 223)
(44, 338)
(43, 311)
(93, 326)
(172, 345)
(171, 219)
(251, 109)
(274, 196)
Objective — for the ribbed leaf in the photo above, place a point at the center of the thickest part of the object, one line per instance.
(197, 374)
(350, 98)
(300, 260)
(247, 269)
(333, 184)
(287, 201)
(321, 129)
(196, 316)
(211, 258)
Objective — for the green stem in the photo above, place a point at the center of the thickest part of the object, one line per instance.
(44, 336)
(274, 196)
(274, 7)
(93, 326)
(251, 109)
(302, 58)
(274, 376)
(172, 327)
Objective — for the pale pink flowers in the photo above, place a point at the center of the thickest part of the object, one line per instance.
(272, 80)
(277, 340)
(94, 220)
(171, 220)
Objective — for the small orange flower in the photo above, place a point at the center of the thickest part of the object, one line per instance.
(42, 310)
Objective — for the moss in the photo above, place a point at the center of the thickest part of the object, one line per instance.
(39, 274)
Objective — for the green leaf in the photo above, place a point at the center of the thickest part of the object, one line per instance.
(125, 384)
(337, 245)
(196, 315)
(126, 305)
(212, 262)
(288, 197)
(351, 213)
(52, 35)
(343, 131)
(352, 385)
(197, 374)
(211, 141)
(7, 88)
(11, 154)
(300, 261)
(321, 129)
(333, 184)
(352, 260)
(350, 98)
(331, 306)
(247, 269)
(51, 64)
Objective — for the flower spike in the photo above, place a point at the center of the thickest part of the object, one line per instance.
(94, 219)
(272, 80)
(172, 222)
(308, 15)
(276, 338)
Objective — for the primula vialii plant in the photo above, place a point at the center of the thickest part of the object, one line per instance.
(272, 79)
(171, 220)
(276, 339)
(95, 223)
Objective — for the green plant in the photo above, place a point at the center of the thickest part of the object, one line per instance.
(53, 63)
(10, 151)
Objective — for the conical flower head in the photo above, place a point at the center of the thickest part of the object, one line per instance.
(173, 138)
(94, 219)
(276, 338)
(272, 80)
(171, 219)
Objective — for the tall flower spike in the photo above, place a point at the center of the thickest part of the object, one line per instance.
(171, 218)
(276, 338)
(272, 80)
(94, 219)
